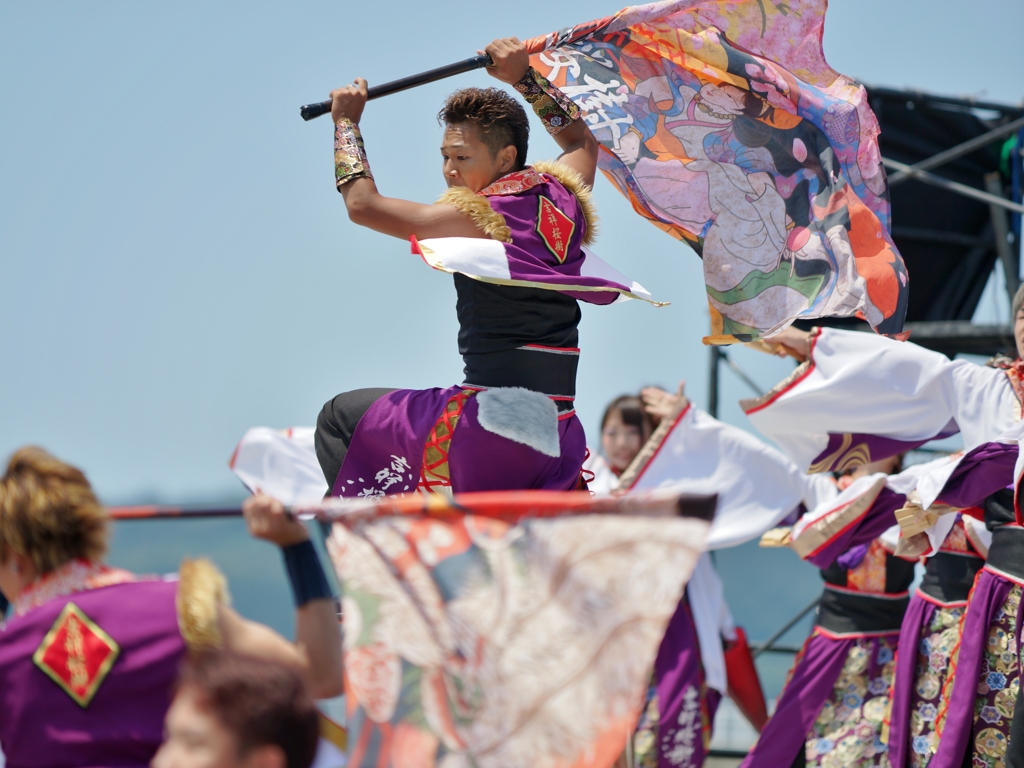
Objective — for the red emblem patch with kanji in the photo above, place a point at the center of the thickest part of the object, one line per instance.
(76, 654)
(554, 228)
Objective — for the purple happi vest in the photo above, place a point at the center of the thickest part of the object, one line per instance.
(548, 228)
(86, 678)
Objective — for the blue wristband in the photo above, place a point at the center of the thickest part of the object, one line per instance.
(305, 573)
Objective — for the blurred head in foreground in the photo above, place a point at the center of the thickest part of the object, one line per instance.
(49, 516)
(234, 711)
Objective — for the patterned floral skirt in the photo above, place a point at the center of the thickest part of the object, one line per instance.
(938, 639)
(997, 682)
(848, 729)
(833, 705)
(966, 680)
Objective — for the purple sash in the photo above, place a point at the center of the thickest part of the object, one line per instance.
(679, 681)
(987, 598)
(918, 615)
(814, 676)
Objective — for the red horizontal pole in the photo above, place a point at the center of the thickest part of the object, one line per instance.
(155, 512)
(510, 506)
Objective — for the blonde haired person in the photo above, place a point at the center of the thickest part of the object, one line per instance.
(90, 654)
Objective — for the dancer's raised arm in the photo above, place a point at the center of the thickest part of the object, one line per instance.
(561, 118)
(366, 206)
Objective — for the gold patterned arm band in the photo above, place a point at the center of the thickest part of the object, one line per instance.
(556, 110)
(349, 153)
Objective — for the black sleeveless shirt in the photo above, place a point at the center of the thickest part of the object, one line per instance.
(511, 336)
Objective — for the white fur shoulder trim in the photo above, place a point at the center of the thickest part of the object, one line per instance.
(521, 415)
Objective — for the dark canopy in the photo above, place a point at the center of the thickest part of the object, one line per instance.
(946, 239)
(950, 242)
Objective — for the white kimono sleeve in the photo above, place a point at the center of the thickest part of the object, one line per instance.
(712, 620)
(280, 463)
(756, 485)
(862, 397)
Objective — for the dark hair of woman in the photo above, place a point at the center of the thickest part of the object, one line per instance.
(631, 411)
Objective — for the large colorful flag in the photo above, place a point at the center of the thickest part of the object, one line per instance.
(722, 123)
(513, 629)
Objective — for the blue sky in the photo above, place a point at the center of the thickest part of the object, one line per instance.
(177, 267)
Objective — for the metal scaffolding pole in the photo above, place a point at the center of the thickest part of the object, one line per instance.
(770, 642)
(741, 373)
(1001, 234)
(958, 151)
(716, 355)
(955, 186)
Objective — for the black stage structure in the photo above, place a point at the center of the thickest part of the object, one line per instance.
(955, 183)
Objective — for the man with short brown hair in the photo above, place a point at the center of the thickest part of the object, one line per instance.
(235, 711)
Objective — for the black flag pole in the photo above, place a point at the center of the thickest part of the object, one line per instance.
(309, 111)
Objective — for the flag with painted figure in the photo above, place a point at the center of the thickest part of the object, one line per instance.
(492, 629)
(511, 629)
(722, 123)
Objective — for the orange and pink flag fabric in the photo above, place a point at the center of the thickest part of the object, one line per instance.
(722, 123)
(506, 629)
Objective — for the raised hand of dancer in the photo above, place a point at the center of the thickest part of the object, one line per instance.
(793, 342)
(661, 404)
(511, 61)
(267, 519)
(578, 145)
(349, 101)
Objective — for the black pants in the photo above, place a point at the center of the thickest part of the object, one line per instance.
(336, 424)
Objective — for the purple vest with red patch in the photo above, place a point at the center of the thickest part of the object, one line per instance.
(85, 679)
(547, 225)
